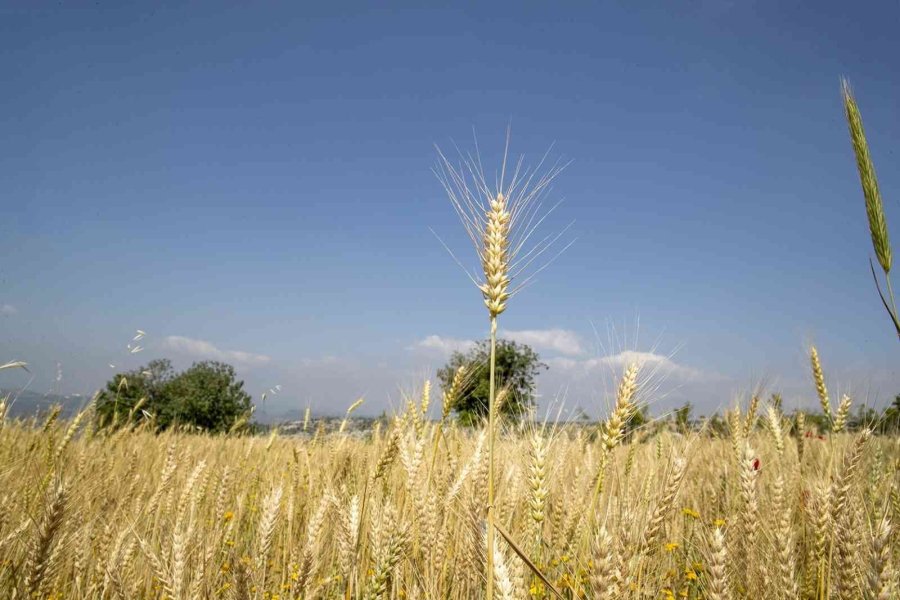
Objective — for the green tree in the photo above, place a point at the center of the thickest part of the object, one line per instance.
(717, 426)
(639, 418)
(683, 417)
(207, 395)
(517, 366)
(890, 418)
(865, 417)
(817, 422)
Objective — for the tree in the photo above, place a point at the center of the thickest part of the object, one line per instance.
(866, 417)
(683, 417)
(890, 418)
(207, 396)
(816, 421)
(717, 426)
(639, 418)
(517, 365)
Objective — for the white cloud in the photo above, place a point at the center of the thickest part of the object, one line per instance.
(442, 345)
(206, 349)
(7, 310)
(559, 341)
(319, 362)
(556, 340)
(646, 361)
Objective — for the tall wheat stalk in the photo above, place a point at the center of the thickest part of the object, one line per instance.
(500, 220)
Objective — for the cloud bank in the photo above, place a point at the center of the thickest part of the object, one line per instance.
(204, 349)
(442, 345)
(554, 341)
(646, 361)
(560, 341)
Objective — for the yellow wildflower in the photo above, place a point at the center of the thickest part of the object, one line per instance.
(690, 512)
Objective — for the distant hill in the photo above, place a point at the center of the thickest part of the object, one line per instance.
(24, 404)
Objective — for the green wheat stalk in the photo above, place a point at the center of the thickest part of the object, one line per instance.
(874, 206)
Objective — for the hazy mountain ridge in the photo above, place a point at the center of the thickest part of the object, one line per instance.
(26, 403)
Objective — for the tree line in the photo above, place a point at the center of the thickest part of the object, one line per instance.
(209, 397)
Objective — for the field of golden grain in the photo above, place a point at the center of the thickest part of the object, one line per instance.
(769, 510)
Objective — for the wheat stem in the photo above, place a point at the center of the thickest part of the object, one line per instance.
(490, 486)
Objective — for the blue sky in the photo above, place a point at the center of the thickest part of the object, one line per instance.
(254, 184)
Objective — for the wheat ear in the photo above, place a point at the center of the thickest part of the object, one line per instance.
(505, 589)
(670, 492)
(874, 206)
(613, 430)
(749, 518)
(844, 516)
(537, 480)
(717, 575)
(843, 411)
(880, 571)
(606, 578)
(37, 566)
(784, 541)
(266, 528)
(773, 418)
(819, 378)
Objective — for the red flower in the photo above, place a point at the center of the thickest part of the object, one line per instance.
(756, 464)
(809, 434)
(822, 437)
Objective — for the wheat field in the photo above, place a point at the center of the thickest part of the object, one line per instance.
(769, 510)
